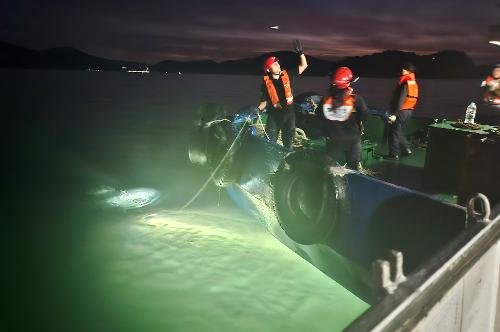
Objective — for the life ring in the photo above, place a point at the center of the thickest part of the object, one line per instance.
(307, 199)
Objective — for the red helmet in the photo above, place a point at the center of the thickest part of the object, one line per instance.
(342, 77)
(269, 62)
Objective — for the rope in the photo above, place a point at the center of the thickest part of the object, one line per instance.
(210, 123)
(300, 137)
(210, 178)
(262, 125)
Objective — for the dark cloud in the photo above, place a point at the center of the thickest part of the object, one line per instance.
(157, 30)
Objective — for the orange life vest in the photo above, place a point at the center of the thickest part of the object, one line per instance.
(412, 95)
(491, 97)
(340, 112)
(271, 90)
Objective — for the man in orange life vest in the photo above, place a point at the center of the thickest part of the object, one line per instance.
(402, 105)
(277, 97)
(343, 111)
(491, 87)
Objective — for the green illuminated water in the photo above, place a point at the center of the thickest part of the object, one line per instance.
(77, 265)
(74, 265)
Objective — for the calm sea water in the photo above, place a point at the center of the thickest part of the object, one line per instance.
(77, 265)
(120, 127)
(123, 130)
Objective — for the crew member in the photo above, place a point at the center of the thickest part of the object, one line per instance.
(277, 97)
(491, 87)
(403, 104)
(343, 111)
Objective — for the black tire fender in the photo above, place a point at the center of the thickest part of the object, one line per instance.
(306, 197)
(197, 149)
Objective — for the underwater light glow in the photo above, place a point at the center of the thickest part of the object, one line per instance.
(133, 198)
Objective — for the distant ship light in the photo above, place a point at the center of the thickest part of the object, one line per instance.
(494, 35)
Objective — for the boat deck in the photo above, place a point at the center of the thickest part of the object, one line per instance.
(407, 172)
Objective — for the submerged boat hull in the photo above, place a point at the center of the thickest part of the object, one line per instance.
(347, 224)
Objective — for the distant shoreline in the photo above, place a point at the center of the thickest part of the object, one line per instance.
(158, 73)
(448, 64)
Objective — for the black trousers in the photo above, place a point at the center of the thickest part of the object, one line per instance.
(283, 120)
(344, 143)
(397, 138)
(345, 151)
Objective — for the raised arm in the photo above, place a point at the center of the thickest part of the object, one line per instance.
(303, 63)
(300, 51)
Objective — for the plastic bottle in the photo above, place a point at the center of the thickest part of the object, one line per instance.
(470, 113)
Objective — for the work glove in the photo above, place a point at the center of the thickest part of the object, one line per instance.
(391, 119)
(297, 46)
(260, 111)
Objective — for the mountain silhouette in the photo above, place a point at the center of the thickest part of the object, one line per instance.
(57, 58)
(448, 64)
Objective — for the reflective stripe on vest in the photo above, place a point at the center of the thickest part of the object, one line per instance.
(341, 112)
(271, 90)
(412, 95)
(491, 99)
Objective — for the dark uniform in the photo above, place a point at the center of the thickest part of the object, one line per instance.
(344, 137)
(402, 105)
(280, 118)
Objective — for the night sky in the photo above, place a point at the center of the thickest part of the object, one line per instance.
(152, 31)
